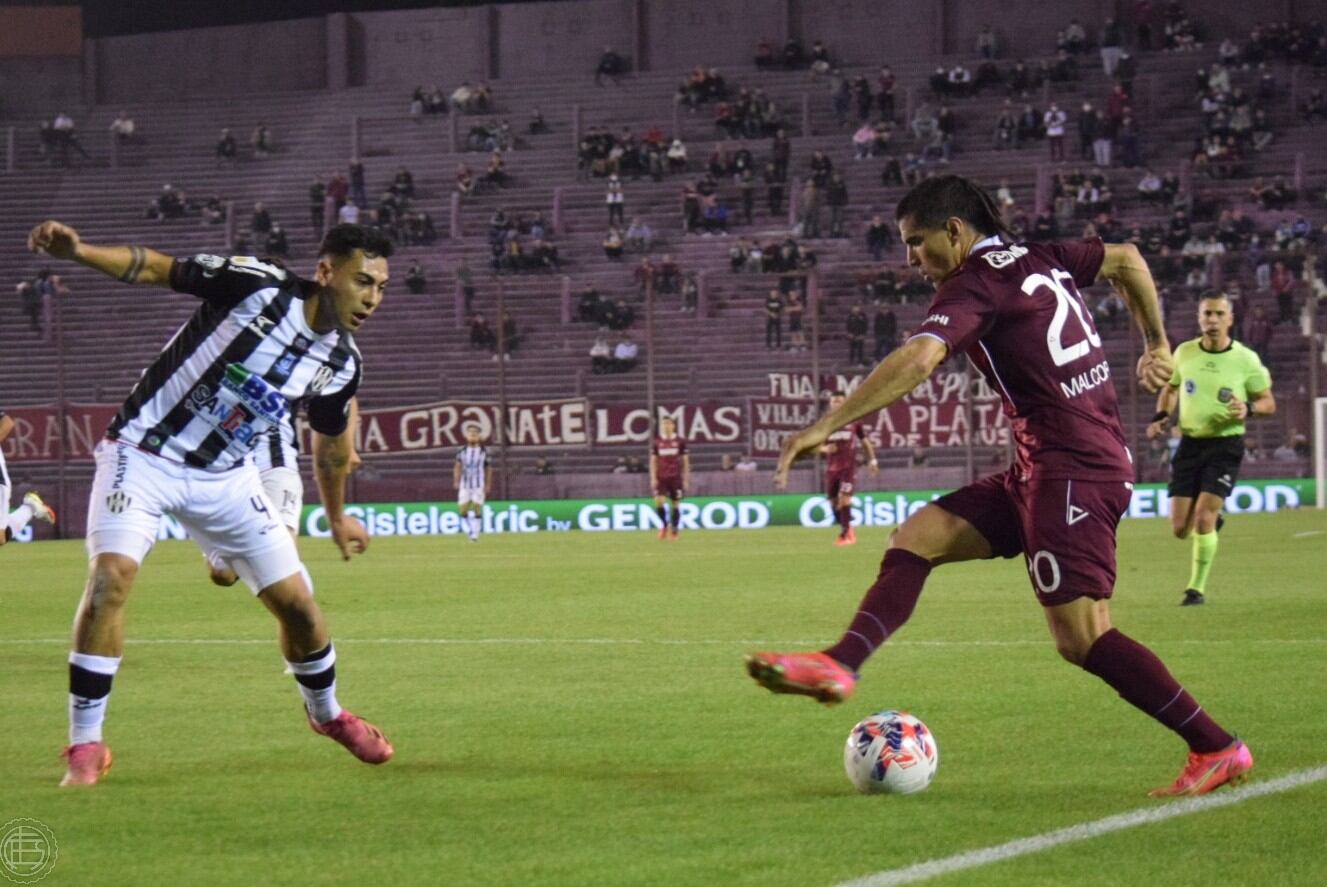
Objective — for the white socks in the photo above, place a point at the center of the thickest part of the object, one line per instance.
(474, 526)
(89, 690)
(18, 519)
(316, 676)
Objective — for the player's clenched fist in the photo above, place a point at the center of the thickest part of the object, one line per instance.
(56, 239)
(1155, 368)
(350, 536)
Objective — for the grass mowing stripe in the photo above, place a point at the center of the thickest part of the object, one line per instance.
(933, 868)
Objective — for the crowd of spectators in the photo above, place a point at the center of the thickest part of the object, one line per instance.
(521, 243)
(600, 154)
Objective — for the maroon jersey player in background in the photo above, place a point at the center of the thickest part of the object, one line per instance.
(1016, 311)
(840, 450)
(670, 475)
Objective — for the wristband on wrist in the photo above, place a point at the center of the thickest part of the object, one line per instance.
(1160, 415)
(1248, 410)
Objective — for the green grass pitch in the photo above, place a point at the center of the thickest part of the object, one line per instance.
(572, 709)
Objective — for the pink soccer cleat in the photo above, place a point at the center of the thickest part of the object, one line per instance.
(363, 740)
(88, 762)
(672, 533)
(808, 674)
(1204, 772)
(663, 533)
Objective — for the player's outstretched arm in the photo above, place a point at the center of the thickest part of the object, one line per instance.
(1127, 271)
(903, 370)
(130, 264)
(331, 467)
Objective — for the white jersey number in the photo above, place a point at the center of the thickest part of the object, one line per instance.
(1066, 299)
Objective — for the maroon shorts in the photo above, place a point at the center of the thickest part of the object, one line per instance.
(839, 482)
(668, 487)
(1065, 529)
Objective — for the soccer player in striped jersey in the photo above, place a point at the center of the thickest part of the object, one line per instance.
(260, 340)
(277, 458)
(670, 475)
(472, 480)
(32, 507)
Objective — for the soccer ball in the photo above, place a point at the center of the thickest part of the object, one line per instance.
(892, 752)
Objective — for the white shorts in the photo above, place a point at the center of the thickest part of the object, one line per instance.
(4, 502)
(468, 495)
(225, 512)
(285, 488)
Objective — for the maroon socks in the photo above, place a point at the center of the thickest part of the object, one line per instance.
(845, 519)
(887, 605)
(1143, 681)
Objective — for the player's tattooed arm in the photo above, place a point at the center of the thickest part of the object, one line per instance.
(331, 467)
(130, 264)
(1126, 270)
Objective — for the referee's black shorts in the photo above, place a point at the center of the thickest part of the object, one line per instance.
(1206, 465)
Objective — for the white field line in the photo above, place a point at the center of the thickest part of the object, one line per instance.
(1084, 831)
(635, 642)
(1308, 533)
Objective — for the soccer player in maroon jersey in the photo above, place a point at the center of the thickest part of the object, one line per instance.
(840, 450)
(1016, 311)
(670, 475)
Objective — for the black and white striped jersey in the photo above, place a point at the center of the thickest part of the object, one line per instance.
(474, 465)
(233, 370)
(279, 446)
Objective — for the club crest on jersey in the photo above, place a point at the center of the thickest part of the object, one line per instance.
(117, 502)
(261, 325)
(321, 379)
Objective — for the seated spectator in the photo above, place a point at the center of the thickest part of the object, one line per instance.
(260, 222)
(819, 59)
(625, 354)
(226, 148)
(613, 243)
(415, 279)
(213, 211)
(746, 463)
(542, 466)
(537, 125)
(621, 316)
(601, 356)
(588, 305)
(639, 235)
(261, 140)
(987, 46)
(169, 204)
(277, 244)
(668, 275)
(495, 175)
(621, 466)
(544, 255)
(349, 213)
(1149, 187)
(793, 55)
(677, 155)
(482, 336)
(465, 180)
(611, 65)
(764, 57)
(122, 127)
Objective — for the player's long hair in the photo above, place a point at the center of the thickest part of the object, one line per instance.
(933, 201)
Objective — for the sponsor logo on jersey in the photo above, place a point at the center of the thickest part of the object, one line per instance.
(261, 325)
(1004, 257)
(941, 319)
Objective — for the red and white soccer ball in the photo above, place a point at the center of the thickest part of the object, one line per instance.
(891, 752)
